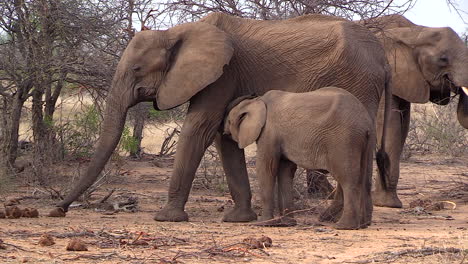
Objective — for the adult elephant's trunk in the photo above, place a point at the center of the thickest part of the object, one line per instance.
(462, 109)
(114, 121)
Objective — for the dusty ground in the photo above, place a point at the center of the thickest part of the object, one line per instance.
(397, 235)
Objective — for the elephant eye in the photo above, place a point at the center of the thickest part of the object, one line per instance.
(443, 60)
(136, 68)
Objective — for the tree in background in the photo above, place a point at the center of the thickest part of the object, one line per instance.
(45, 46)
(48, 46)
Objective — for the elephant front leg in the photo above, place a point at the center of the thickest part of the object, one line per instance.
(197, 134)
(398, 131)
(233, 160)
(267, 169)
(286, 173)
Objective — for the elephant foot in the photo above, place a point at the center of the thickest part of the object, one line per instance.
(350, 225)
(352, 221)
(57, 212)
(386, 199)
(284, 221)
(238, 214)
(171, 214)
(332, 213)
(366, 218)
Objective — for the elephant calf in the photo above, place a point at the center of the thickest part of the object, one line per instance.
(325, 129)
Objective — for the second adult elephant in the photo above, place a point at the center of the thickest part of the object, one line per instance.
(428, 64)
(219, 58)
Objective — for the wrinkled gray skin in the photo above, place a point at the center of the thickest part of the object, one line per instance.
(428, 64)
(217, 59)
(314, 130)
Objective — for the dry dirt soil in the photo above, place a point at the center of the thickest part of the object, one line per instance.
(428, 231)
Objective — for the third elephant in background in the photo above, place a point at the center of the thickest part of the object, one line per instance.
(427, 64)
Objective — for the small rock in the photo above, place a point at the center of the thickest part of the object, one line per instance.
(57, 212)
(46, 240)
(76, 245)
(266, 241)
(261, 242)
(13, 212)
(30, 212)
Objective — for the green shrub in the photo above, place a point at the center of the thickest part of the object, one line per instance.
(127, 142)
(79, 135)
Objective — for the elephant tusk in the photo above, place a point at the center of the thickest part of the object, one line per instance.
(465, 90)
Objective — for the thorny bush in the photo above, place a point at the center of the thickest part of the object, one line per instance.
(435, 129)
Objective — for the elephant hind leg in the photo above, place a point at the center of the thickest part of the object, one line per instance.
(355, 183)
(398, 128)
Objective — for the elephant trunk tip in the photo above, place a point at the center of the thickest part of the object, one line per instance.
(383, 165)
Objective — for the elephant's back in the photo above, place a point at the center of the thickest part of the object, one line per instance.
(303, 54)
(326, 107)
(310, 125)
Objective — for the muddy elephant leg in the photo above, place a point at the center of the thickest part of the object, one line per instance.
(398, 131)
(286, 172)
(233, 160)
(335, 210)
(318, 184)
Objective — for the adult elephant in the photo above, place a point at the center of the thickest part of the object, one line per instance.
(219, 58)
(428, 64)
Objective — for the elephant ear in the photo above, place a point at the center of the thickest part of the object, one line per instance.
(198, 53)
(246, 121)
(408, 80)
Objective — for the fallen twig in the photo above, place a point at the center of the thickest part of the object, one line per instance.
(415, 253)
(94, 257)
(107, 196)
(18, 247)
(74, 234)
(283, 216)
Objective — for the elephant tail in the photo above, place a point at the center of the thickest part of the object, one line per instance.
(383, 161)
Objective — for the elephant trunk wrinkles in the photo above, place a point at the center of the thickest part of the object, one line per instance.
(113, 124)
(462, 109)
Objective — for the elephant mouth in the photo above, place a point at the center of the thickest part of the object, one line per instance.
(441, 94)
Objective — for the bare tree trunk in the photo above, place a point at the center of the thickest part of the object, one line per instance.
(138, 112)
(10, 131)
(13, 133)
(139, 115)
